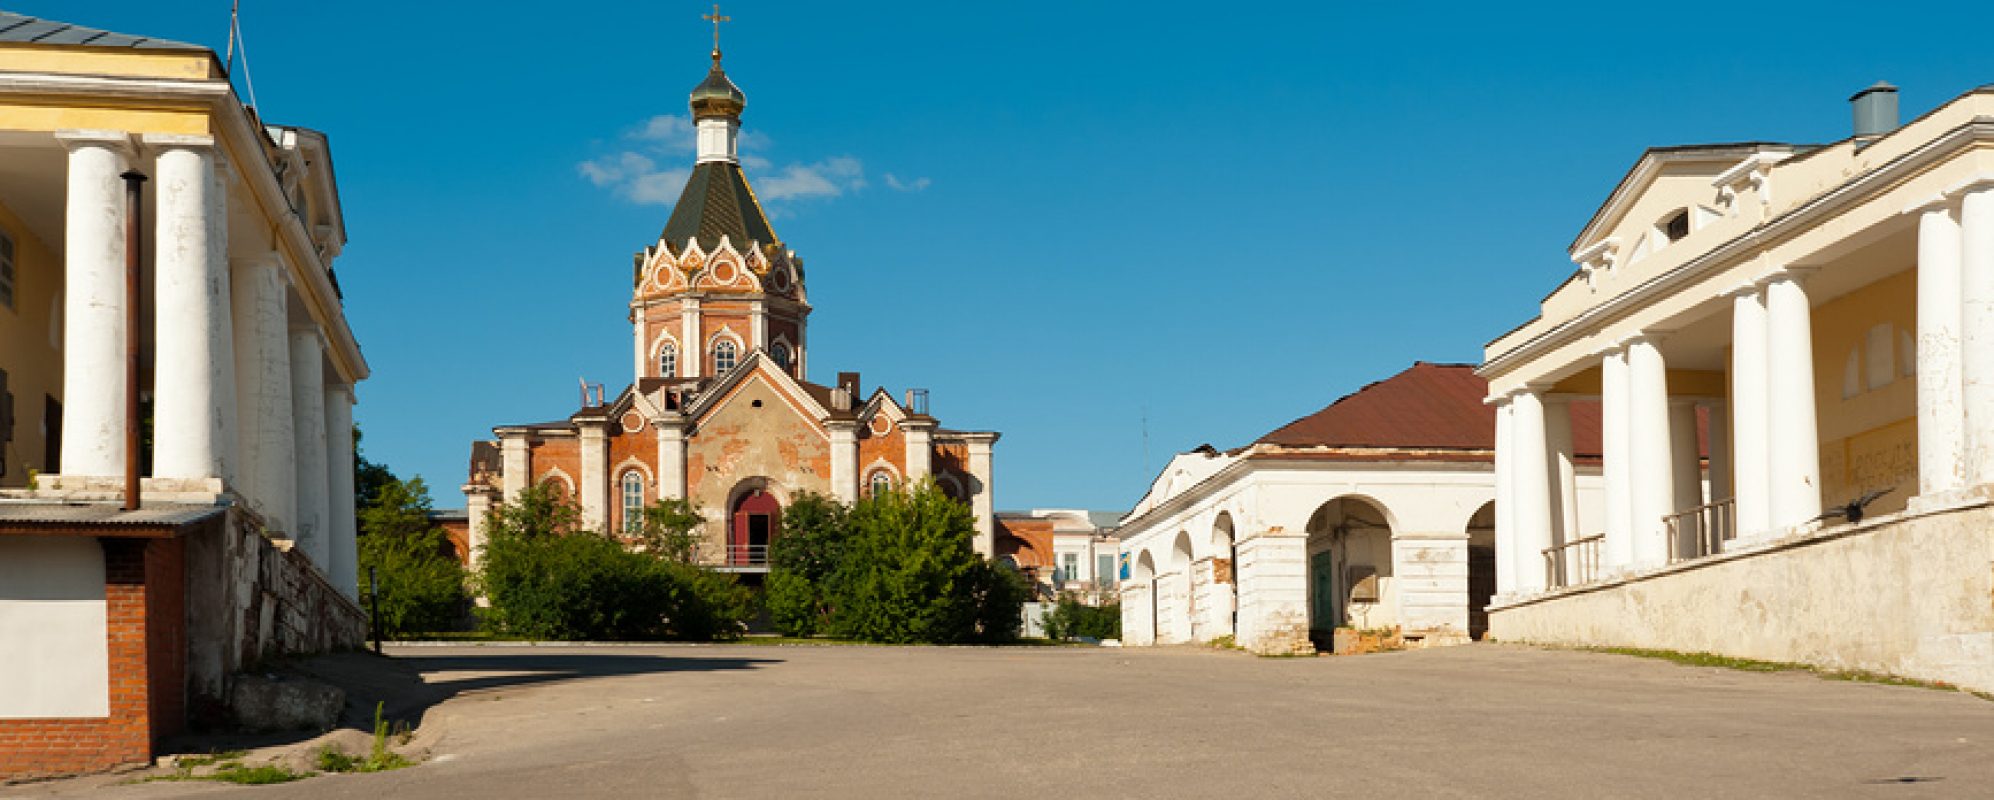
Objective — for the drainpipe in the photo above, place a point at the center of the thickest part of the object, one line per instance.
(133, 208)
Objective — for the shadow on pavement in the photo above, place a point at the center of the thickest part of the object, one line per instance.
(517, 669)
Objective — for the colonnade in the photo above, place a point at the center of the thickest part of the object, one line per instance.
(1955, 341)
(240, 398)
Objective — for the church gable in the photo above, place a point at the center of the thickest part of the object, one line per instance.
(756, 431)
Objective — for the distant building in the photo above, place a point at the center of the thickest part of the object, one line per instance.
(1375, 512)
(119, 625)
(1062, 550)
(1831, 309)
(720, 411)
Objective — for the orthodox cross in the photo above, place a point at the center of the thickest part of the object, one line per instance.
(716, 19)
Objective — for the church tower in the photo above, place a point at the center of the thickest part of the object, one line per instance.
(719, 284)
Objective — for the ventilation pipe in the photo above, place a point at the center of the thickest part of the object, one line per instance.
(1875, 111)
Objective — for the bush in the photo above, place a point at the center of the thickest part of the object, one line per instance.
(421, 586)
(548, 579)
(802, 564)
(906, 573)
(1072, 619)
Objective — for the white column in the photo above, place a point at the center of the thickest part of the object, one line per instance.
(266, 440)
(758, 325)
(478, 507)
(1531, 486)
(1616, 551)
(515, 464)
(194, 363)
(1651, 477)
(692, 352)
(594, 479)
(640, 358)
(1750, 417)
(671, 460)
(1505, 499)
(1976, 250)
(1794, 445)
(93, 317)
(1686, 473)
(980, 468)
(844, 460)
(311, 532)
(920, 449)
(1941, 408)
(342, 527)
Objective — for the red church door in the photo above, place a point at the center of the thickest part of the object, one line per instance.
(756, 518)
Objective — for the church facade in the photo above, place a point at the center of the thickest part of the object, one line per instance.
(720, 411)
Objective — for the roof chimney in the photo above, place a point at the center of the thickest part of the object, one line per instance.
(1875, 110)
(849, 381)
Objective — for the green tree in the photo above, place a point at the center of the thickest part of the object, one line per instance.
(906, 572)
(421, 586)
(669, 529)
(802, 564)
(1072, 619)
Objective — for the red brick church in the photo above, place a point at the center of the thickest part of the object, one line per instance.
(721, 411)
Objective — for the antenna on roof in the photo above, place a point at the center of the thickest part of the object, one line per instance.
(235, 42)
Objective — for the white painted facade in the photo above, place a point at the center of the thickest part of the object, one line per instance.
(1287, 526)
(1839, 334)
(52, 619)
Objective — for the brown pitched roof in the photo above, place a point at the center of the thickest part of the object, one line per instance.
(1430, 406)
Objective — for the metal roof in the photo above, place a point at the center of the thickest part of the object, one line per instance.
(49, 513)
(23, 28)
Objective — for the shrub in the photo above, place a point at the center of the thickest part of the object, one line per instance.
(1072, 619)
(420, 585)
(906, 573)
(547, 578)
(802, 564)
(669, 529)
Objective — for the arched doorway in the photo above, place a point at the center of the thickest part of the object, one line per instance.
(1145, 576)
(1349, 567)
(1225, 572)
(757, 519)
(1481, 569)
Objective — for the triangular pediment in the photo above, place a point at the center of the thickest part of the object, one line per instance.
(1663, 180)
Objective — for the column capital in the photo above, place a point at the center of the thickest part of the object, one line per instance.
(1792, 273)
(1974, 185)
(1748, 289)
(119, 141)
(176, 141)
(1942, 202)
(1653, 336)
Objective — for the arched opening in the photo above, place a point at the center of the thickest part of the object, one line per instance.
(1183, 607)
(757, 520)
(1225, 572)
(1349, 567)
(1145, 576)
(1481, 569)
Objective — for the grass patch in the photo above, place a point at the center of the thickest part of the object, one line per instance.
(1756, 665)
(825, 641)
(379, 759)
(228, 769)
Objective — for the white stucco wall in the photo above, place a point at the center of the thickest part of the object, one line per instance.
(56, 660)
(1909, 595)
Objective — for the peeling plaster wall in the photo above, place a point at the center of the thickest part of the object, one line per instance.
(1904, 595)
(739, 440)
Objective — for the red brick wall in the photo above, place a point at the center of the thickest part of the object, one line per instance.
(144, 616)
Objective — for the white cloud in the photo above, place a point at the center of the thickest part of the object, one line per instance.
(633, 173)
(895, 183)
(828, 178)
(636, 178)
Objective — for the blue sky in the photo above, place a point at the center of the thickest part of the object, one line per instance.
(1060, 219)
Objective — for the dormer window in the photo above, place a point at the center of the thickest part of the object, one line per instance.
(1676, 226)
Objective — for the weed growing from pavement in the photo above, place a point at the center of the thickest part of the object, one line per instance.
(380, 759)
(228, 768)
(1755, 665)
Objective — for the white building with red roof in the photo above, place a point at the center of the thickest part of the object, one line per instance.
(1376, 512)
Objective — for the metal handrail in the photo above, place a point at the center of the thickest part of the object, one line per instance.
(1573, 563)
(1703, 530)
(747, 555)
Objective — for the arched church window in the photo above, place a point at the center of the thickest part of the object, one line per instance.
(633, 501)
(780, 352)
(668, 361)
(880, 483)
(724, 356)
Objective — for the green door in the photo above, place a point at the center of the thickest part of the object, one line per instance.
(1322, 592)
